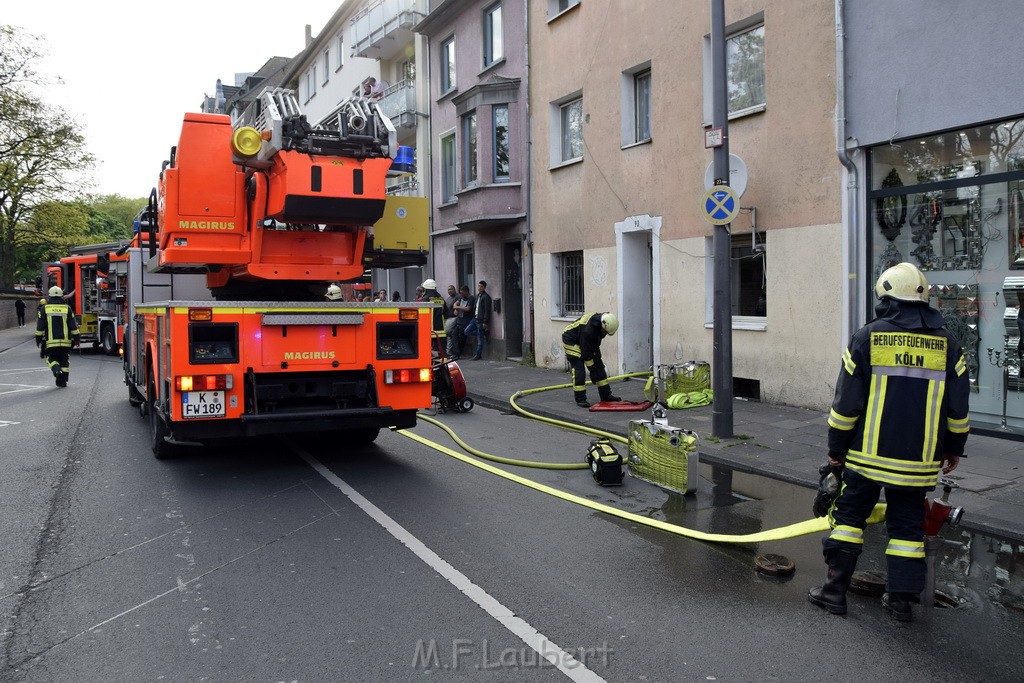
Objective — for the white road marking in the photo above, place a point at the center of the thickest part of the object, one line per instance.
(23, 387)
(565, 662)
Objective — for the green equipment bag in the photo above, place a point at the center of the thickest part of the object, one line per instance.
(605, 463)
(694, 375)
(664, 456)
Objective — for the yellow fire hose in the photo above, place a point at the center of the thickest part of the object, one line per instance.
(809, 526)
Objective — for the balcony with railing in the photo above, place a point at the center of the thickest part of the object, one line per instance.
(399, 104)
(383, 28)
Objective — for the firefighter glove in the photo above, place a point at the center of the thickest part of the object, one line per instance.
(39, 342)
(828, 489)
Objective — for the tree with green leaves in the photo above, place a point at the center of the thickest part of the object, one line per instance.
(42, 152)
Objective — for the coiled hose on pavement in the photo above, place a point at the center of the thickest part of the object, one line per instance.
(810, 526)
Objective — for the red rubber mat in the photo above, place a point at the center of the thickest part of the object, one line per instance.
(620, 406)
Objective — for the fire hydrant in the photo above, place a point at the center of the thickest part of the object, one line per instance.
(936, 513)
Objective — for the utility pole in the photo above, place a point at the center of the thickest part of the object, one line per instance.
(721, 367)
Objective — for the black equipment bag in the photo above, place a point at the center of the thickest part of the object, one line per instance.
(605, 463)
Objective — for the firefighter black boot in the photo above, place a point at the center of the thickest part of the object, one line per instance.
(898, 605)
(832, 596)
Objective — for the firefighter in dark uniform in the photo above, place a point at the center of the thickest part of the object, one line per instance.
(900, 415)
(582, 343)
(440, 337)
(56, 333)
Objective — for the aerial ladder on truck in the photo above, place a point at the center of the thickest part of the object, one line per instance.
(251, 222)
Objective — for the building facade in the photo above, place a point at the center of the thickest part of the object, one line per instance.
(479, 138)
(363, 41)
(934, 131)
(619, 168)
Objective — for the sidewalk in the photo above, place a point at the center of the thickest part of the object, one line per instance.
(781, 442)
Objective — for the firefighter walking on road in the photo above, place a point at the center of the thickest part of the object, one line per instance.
(581, 341)
(900, 415)
(56, 333)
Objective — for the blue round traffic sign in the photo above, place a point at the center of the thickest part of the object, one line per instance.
(720, 205)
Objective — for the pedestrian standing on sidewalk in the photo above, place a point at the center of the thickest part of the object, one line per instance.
(900, 415)
(481, 321)
(19, 308)
(56, 333)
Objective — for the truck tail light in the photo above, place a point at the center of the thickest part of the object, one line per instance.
(203, 382)
(407, 376)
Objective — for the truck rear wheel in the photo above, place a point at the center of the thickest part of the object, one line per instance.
(107, 341)
(362, 437)
(162, 449)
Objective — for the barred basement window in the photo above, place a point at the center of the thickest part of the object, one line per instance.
(570, 279)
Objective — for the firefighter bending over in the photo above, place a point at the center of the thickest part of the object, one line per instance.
(56, 333)
(582, 343)
(899, 416)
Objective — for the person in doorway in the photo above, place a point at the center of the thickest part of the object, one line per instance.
(19, 309)
(56, 334)
(431, 294)
(382, 295)
(451, 315)
(900, 415)
(396, 295)
(464, 314)
(581, 341)
(480, 324)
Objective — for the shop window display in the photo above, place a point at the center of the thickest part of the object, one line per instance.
(953, 204)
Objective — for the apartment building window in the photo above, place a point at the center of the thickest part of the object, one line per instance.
(310, 83)
(465, 271)
(744, 69)
(501, 145)
(448, 65)
(469, 162)
(571, 129)
(327, 66)
(558, 6)
(494, 46)
(448, 168)
(749, 286)
(569, 278)
(341, 52)
(408, 69)
(642, 106)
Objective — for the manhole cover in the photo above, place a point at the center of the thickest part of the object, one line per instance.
(774, 565)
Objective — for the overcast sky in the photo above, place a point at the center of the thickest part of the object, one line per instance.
(132, 68)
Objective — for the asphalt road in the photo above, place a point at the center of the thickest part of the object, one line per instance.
(303, 559)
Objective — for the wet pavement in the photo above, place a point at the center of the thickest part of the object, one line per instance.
(780, 442)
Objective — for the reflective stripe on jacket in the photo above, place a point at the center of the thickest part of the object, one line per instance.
(582, 337)
(901, 403)
(56, 324)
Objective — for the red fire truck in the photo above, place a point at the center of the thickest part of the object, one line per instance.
(93, 279)
(228, 332)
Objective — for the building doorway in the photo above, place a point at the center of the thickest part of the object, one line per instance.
(637, 241)
(512, 297)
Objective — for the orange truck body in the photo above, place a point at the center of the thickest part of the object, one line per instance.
(94, 291)
(213, 347)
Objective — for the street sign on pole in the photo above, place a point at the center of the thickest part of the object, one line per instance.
(713, 137)
(720, 205)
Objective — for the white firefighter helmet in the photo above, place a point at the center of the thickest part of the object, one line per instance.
(56, 291)
(903, 282)
(429, 284)
(334, 292)
(609, 323)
